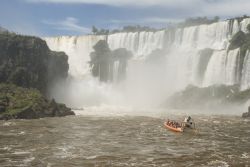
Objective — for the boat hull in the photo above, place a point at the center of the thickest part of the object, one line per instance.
(172, 128)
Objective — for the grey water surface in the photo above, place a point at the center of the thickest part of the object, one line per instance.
(123, 141)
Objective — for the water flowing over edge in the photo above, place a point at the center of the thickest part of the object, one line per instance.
(183, 52)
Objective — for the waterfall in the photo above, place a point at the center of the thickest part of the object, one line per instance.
(184, 63)
(116, 71)
(149, 41)
(77, 48)
(223, 68)
(232, 69)
(124, 40)
(215, 72)
(140, 43)
(236, 27)
(184, 57)
(214, 36)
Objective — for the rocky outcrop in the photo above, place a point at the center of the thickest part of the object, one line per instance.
(237, 40)
(27, 68)
(120, 58)
(27, 62)
(246, 114)
(204, 57)
(208, 97)
(103, 59)
(22, 103)
(212, 97)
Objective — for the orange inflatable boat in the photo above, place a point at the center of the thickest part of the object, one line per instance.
(179, 129)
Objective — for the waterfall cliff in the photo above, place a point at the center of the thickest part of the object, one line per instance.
(77, 48)
(183, 47)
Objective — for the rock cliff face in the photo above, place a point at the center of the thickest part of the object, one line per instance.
(213, 97)
(246, 114)
(27, 68)
(210, 97)
(27, 62)
(109, 65)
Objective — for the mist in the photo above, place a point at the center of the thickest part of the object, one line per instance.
(144, 87)
(164, 63)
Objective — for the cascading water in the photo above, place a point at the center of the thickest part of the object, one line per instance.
(124, 40)
(183, 64)
(140, 43)
(77, 48)
(223, 68)
(232, 69)
(116, 71)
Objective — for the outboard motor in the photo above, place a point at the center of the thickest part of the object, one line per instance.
(189, 122)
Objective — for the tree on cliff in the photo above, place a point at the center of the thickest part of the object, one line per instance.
(194, 21)
(102, 31)
(94, 30)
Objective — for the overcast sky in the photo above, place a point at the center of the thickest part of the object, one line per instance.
(75, 17)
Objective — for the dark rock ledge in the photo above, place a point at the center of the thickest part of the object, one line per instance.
(246, 114)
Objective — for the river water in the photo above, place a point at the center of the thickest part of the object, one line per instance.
(122, 140)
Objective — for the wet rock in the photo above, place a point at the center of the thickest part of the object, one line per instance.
(4, 101)
(246, 114)
(103, 60)
(2, 109)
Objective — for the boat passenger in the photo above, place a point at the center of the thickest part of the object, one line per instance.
(188, 122)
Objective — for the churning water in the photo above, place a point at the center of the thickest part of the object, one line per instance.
(94, 140)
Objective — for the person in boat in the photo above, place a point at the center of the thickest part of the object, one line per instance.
(173, 124)
(188, 122)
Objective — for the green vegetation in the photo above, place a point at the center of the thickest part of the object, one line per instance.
(198, 21)
(102, 31)
(193, 21)
(240, 18)
(17, 102)
(138, 28)
(129, 28)
(238, 40)
(27, 62)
